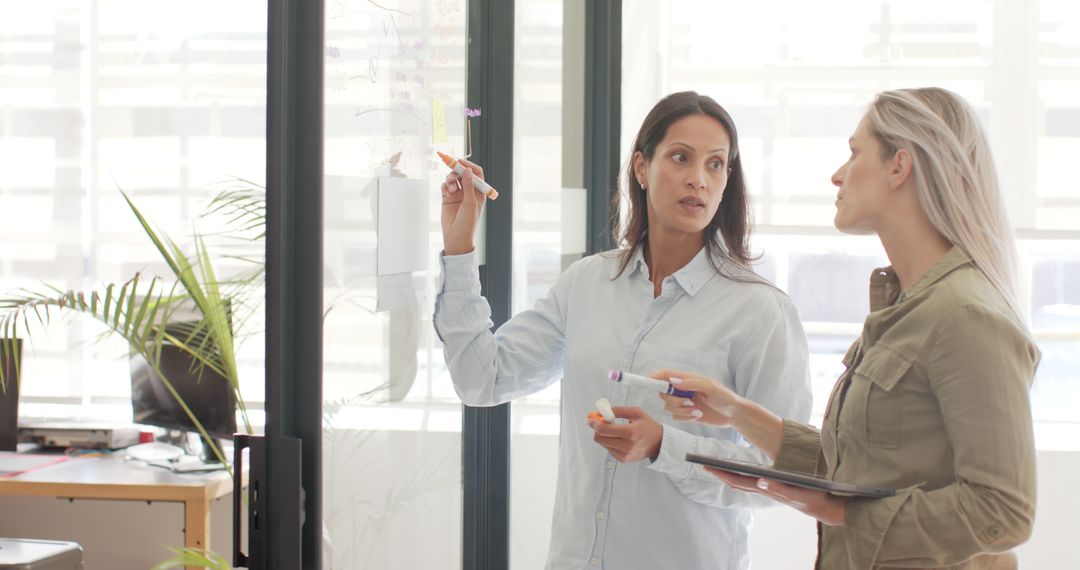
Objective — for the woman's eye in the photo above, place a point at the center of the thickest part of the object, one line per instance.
(717, 165)
(679, 157)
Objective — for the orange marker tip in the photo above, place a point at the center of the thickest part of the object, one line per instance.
(445, 158)
(493, 194)
(595, 416)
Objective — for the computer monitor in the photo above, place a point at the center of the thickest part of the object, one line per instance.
(9, 395)
(209, 395)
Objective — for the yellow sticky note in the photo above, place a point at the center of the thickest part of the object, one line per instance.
(438, 121)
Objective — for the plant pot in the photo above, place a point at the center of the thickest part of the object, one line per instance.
(10, 355)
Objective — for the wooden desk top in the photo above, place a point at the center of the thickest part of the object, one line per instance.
(114, 477)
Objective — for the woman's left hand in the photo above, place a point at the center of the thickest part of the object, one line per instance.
(829, 509)
(632, 441)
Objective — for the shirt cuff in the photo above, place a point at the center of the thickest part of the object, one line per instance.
(459, 272)
(800, 448)
(671, 460)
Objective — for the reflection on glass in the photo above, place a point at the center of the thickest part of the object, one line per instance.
(395, 89)
(539, 228)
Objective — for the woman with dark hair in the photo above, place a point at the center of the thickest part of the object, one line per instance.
(678, 290)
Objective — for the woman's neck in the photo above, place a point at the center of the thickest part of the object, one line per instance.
(913, 250)
(666, 253)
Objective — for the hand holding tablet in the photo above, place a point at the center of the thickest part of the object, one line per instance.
(798, 479)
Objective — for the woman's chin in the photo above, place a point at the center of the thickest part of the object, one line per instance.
(848, 227)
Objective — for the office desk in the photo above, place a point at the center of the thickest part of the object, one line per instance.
(113, 478)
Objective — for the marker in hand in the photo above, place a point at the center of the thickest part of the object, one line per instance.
(460, 170)
(648, 383)
(605, 413)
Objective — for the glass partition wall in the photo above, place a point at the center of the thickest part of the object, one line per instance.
(169, 103)
(394, 96)
(543, 206)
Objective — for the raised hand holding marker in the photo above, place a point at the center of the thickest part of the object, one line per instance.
(460, 170)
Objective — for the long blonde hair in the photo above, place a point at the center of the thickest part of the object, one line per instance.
(955, 177)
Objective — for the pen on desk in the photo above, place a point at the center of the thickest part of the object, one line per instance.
(460, 170)
(648, 383)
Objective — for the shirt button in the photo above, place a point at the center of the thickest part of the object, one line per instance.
(600, 516)
(610, 464)
(595, 562)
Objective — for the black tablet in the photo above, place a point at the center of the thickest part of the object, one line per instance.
(797, 479)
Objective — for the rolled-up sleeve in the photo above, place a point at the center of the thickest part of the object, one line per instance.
(800, 449)
(979, 371)
(522, 357)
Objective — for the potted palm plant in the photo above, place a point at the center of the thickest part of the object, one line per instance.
(139, 309)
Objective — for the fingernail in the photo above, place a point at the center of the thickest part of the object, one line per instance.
(762, 484)
(697, 413)
(675, 380)
(687, 403)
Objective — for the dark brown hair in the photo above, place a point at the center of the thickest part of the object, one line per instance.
(727, 233)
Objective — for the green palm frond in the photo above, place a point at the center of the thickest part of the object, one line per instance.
(9, 356)
(133, 314)
(244, 209)
(142, 312)
(193, 557)
(210, 343)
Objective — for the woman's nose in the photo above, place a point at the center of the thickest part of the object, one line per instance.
(696, 179)
(838, 177)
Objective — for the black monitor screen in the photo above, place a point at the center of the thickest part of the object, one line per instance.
(9, 395)
(208, 395)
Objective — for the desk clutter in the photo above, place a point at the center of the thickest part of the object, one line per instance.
(47, 442)
(81, 434)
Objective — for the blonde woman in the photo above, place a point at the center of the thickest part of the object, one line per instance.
(934, 401)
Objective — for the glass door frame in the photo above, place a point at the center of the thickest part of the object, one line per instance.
(485, 456)
(291, 490)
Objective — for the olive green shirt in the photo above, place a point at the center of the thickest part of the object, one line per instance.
(934, 403)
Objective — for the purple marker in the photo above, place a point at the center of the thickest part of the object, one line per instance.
(648, 383)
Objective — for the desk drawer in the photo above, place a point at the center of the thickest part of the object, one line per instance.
(115, 535)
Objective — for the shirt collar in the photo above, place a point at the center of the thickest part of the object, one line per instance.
(885, 285)
(692, 277)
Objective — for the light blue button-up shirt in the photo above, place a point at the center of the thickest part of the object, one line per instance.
(645, 515)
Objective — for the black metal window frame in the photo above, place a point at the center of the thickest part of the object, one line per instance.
(288, 475)
(485, 456)
(603, 113)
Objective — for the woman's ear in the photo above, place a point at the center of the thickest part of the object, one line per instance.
(900, 168)
(640, 169)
